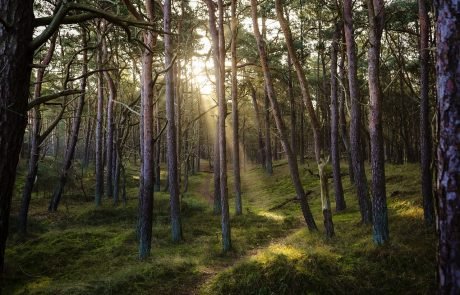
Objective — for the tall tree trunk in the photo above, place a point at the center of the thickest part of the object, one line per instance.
(146, 193)
(379, 201)
(215, 49)
(176, 225)
(226, 235)
(292, 162)
(327, 214)
(109, 142)
(448, 180)
(355, 123)
(74, 133)
(235, 123)
(14, 92)
(340, 204)
(36, 140)
(99, 132)
(425, 130)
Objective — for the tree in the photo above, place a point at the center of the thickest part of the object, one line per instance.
(235, 123)
(379, 202)
(355, 124)
(313, 118)
(173, 177)
(340, 204)
(16, 57)
(292, 162)
(448, 182)
(425, 130)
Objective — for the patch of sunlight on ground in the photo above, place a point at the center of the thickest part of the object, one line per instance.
(406, 208)
(289, 252)
(271, 215)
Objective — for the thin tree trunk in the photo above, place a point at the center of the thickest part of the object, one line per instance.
(226, 235)
(99, 132)
(355, 123)
(292, 162)
(340, 204)
(235, 123)
(313, 118)
(260, 139)
(379, 202)
(448, 180)
(268, 140)
(70, 151)
(173, 177)
(425, 130)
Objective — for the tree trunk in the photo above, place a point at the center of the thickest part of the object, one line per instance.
(235, 123)
(14, 92)
(99, 132)
(74, 133)
(226, 235)
(340, 204)
(110, 126)
(448, 181)
(311, 113)
(176, 225)
(268, 140)
(146, 193)
(425, 130)
(379, 202)
(355, 123)
(292, 162)
(36, 140)
(260, 140)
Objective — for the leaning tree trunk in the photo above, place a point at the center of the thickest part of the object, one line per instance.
(235, 123)
(284, 137)
(35, 142)
(355, 123)
(448, 182)
(327, 214)
(379, 202)
(15, 61)
(72, 143)
(340, 204)
(425, 130)
(173, 177)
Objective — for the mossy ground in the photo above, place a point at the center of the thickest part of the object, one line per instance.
(84, 250)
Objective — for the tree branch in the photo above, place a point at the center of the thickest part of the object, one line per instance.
(46, 98)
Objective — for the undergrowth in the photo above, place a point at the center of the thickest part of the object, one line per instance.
(86, 250)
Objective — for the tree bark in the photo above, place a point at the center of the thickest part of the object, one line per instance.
(146, 193)
(355, 123)
(340, 204)
(379, 202)
(176, 224)
(16, 57)
(226, 235)
(235, 123)
(292, 162)
(425, 130)
(448, 180)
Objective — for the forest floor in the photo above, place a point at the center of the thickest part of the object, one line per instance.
(86, 250)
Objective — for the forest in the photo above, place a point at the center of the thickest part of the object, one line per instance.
(229, 147)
